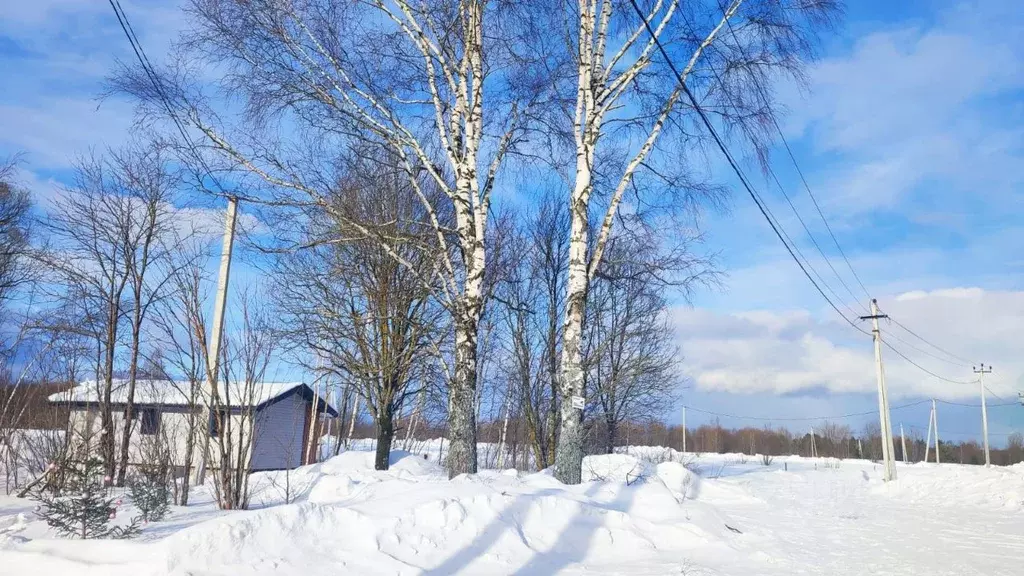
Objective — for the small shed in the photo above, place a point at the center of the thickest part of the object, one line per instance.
(271, 419)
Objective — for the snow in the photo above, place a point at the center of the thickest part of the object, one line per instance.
(174, 393)
(647, 511)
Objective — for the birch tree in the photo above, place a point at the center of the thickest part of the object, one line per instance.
(151, 235)
(626, 101)
(429, 82)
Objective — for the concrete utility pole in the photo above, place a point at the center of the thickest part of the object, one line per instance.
(981, 371)
(935, 425)
(213, 351)
(888, 449)
(928, 440)
(684, 429)
(903, 440)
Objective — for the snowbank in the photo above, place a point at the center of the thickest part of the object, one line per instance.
(641, 511)
(974, 486)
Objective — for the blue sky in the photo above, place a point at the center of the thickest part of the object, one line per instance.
(909, 131)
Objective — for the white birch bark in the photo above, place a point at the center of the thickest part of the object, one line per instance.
(352, 421)
(501, 439)
(452, 76)
(599, 88)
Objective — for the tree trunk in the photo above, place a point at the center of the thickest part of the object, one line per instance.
(106, 412)
(190, 443)
(569, 451)
(129, 410)
(338, 435)
(352, 420)
(613, 432)
(385, 436)
(462, 399)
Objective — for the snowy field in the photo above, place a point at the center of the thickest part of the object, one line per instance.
(636, 514)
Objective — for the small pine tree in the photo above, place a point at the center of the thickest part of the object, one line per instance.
(149, 492)
(85, 508)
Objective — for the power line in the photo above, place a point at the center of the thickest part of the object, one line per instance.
(735, 167)
(803, 418)
(925, 352)
(923, 369)
(961, 433)
(935, 346)
(756, 197)
(976, 405)
(792, 157)
(149, 69)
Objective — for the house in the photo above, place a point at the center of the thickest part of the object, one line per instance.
(268, 422)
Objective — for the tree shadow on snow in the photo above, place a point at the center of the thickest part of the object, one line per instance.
(572, 545)
(574, 542)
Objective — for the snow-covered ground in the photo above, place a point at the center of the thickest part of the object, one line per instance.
(643, 512)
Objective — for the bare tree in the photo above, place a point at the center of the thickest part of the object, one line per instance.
(531, 297)
(15, 224)
(153, 232)
(246, 356)
(835, 439)
(180, 330)
(88, 228)
(432, 83)
(107, 234)
(630, 355)
(364, 313)
(627, 100)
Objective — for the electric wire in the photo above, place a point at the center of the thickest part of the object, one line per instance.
(925, 352)
(782, 137)
(935, 346)
(735, 166)
(149, 69)
(802, 418)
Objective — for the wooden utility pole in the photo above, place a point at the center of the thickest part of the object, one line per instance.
(981, 371)
(213, 351)
(883, 395)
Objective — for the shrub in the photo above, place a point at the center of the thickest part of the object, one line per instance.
(150, 492)
(84, 509)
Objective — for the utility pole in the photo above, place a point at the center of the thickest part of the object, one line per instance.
(903, 440)
(814, 449)
(684, 429)
(981, 371)
(883, 395)
(935, 424)
(928, 440)
(213, 352)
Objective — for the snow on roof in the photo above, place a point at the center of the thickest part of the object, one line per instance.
(174, 393)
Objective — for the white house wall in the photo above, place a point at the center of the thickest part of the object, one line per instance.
(277, 434)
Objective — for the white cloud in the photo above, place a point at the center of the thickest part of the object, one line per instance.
(911, 114)
(793, 351)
